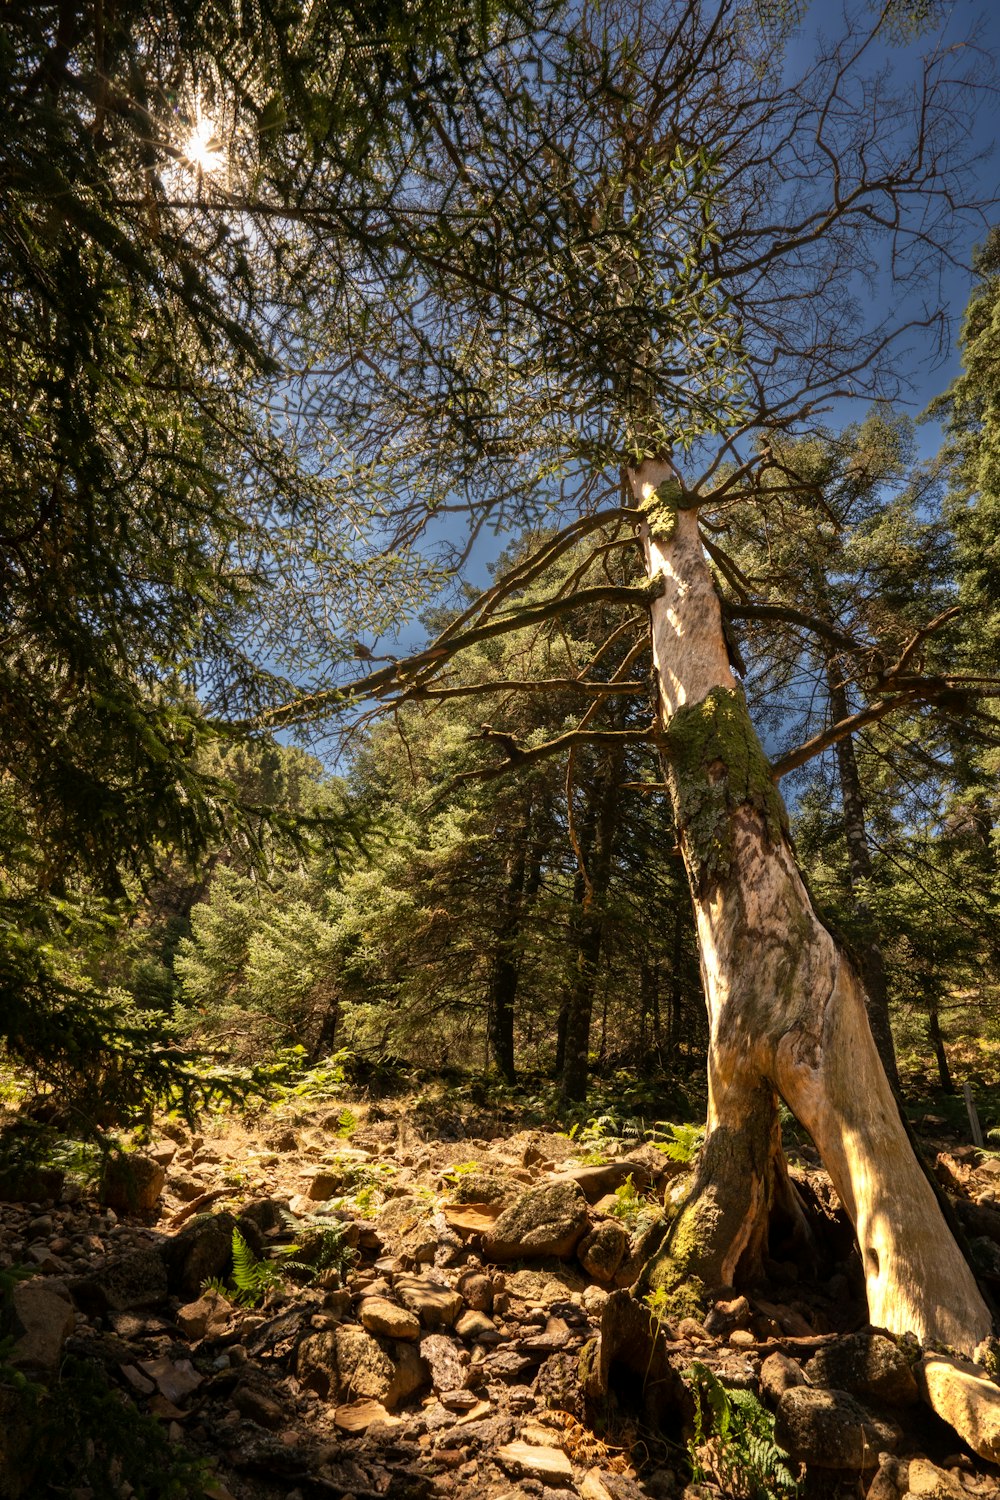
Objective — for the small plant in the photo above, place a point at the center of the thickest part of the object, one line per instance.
(461, 1169)
(733, 1443)
(347, 1124)
(629, 1203)
(679, 1142)
(253, 1279)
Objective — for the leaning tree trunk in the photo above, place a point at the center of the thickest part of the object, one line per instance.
(786, 1010)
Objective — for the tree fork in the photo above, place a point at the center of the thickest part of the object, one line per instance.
(787, 1012)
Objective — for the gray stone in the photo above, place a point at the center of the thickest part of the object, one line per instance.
(204, 1318)
(546, 1220)
(606, 1178)
(926, 1479)
(602, 1251)
(866, 1364)
(831, 1430)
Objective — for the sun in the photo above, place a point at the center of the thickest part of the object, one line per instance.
(203, 148)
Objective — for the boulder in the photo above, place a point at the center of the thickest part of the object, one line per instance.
(595, 1182)
(136, 1279)
(866, 1364)
(602, 1251)
(23, 1183)
(644, 1240)
(40, 1321)
(831, 1430)
(349, 1363)
(547, 1220)
(405, 1228)
(202, 1251)
(131, 1183)
(963, 1397)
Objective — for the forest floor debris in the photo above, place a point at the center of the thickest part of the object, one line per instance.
(305, 1314)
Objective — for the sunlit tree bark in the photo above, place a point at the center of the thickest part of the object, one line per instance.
(786, 1008)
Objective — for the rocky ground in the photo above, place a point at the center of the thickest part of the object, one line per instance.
(457, 1323)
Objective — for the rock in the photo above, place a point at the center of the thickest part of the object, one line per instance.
(890, 1483)
(547, 1464)
(477, 1291)
(40, 1321)
(379, 1315)
(727, 1315)
(258, 1407)
(405, 1228)
(204, 1318)
(964, 1398)
(202, 1251)
(316, 1364)
(435, 1303)
(546, 1220)
(28, 1184)
(477, 1327)
(831, 1430)
(778, 1374)
(925, 1478)
(136, 1279)
(483, 1187)
(324, 1185)
(185, 1187)
(691, 1330)
(866, 1364)
(602, 1251)
(644, 1241)
(131, 1183)
(597, 1181)
(349, 1363)
(446, 1362)
(594, 1298)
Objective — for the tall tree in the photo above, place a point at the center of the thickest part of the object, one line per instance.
(665, 237)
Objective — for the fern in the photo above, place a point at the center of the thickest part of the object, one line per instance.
(682, 1143)
(733, 1444)
(253, 1279)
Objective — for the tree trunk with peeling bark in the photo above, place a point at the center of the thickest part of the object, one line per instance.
(787, 1011)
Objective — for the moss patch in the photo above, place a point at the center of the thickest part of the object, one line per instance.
(661, 508)
(718, 765)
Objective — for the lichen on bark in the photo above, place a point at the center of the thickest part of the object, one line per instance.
(718, 765)
(661, 507)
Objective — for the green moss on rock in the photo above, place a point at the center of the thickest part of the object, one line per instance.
(718, 765)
